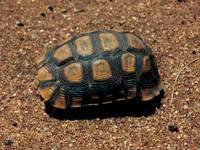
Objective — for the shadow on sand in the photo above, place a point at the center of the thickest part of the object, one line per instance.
(134, 108)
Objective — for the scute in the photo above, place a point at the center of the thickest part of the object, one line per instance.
(74, 72)
(44, 74)
(108, 99)
(60, 102)
(84, 45)
(76, 102)
(128, 62)
(108, 41)
(146, 64)
(101, 70)
(62, 53)
(39, 59)
(131, 93)
(134, 41)
(47, 92)
(149, 93)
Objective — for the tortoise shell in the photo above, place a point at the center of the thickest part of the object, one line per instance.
(97, 68)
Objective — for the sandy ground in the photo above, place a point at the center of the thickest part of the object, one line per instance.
(170, 27)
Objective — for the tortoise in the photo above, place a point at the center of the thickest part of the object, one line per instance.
(98, 67)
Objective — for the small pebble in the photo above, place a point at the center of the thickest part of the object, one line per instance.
(183, 22)
(14, 94)
(176, 93)
(185, 106)
(8, 142)
(172, 127)
(181, 1)
(19, 24)
(179, 136)
(14, 124)
(42, 14)
(50, 8)
(194, 52)
(63, 11)
(21, 39)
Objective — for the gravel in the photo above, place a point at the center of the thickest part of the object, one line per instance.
(171, 28)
